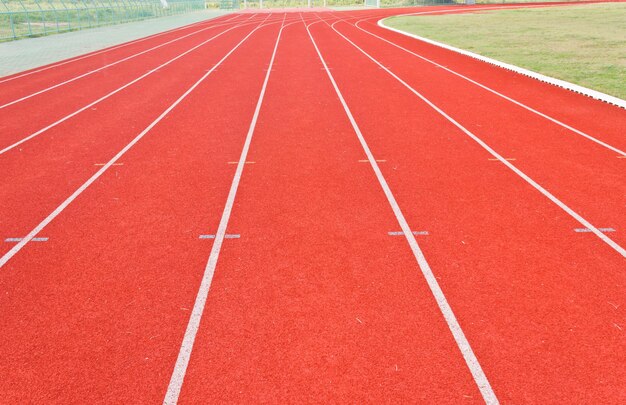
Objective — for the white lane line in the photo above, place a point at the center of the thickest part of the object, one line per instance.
(455, 328)
(489, 89)
(517, 171)
(70, 60)
(106, 96)
(7, 256)
(184, 354)
(106, 66)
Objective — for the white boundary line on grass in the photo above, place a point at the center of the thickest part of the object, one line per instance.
(619, 249)
(7, 256)
(529, 73)
(453, 325)
(180, 368)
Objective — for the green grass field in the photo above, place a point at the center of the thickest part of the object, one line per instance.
(583, 44)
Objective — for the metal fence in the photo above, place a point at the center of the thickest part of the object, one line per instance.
(31, 18)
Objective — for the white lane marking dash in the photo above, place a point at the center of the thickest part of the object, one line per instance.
(40, 239)
(583, 230)
(226, 236)
(401, 233)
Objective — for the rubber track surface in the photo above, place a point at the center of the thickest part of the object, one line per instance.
(316, 296)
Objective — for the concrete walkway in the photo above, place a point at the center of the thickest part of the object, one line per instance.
(23, 54)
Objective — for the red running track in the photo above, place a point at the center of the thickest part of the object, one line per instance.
(237, 225)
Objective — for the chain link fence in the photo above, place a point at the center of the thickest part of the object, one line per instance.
(32, 18)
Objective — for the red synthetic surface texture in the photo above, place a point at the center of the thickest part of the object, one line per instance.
(315, 301)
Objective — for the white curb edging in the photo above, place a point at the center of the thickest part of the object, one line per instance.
(529, 73)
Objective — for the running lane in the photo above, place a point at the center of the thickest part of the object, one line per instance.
(584, 175)
(30, 81)
(541, 304)
(592, 117)
(41, 173)
(18, 118)
(95, 313)
(315, 301)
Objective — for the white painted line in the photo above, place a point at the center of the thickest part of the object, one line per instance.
(517, 171)
(70, 60)
(401, 233)
(226, 236)
(497, 160)
(88, 106)
(529, 73)
(236, 163)
(489, 89)
(114, 164)
(106, 66)
(455, 328)
(7, 256)
(184, 354)
(41, 239)
(367, 161)
(582, 230)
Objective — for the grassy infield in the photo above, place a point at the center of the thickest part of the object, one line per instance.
(583, 44)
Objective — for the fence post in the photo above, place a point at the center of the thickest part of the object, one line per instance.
(30, 31)
(56, 15)
(12, 26)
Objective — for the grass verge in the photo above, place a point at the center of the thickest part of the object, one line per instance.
(583, 44)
